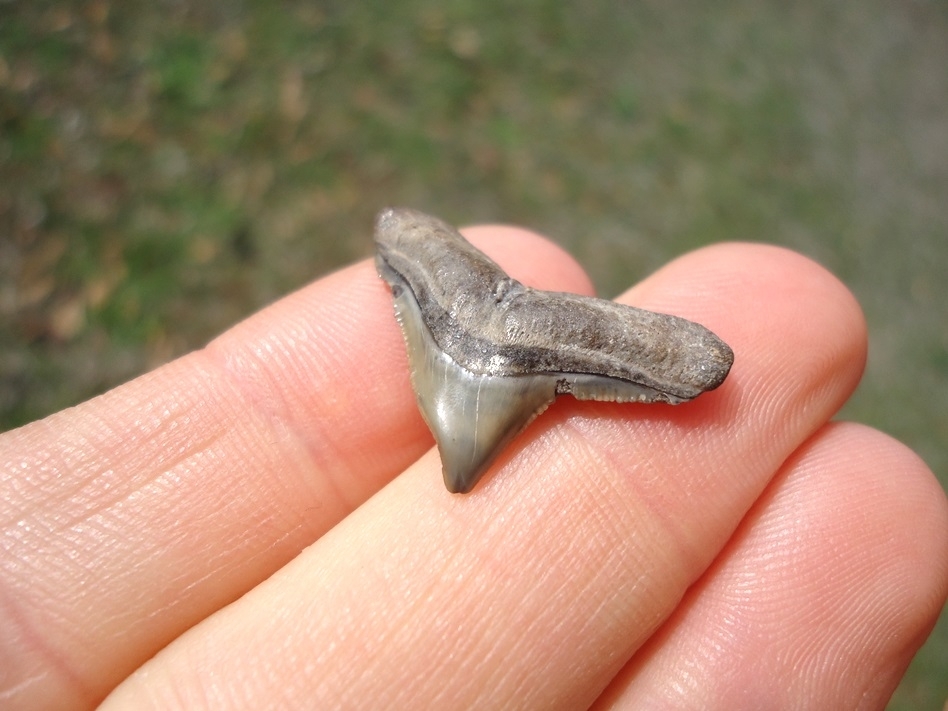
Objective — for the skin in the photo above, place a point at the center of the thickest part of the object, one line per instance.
(204, 536)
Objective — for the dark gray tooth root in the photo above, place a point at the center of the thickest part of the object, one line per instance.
(488, 354)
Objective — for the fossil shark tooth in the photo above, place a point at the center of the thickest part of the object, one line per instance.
(488, 354)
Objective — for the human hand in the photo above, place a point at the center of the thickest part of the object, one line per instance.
(210, 523)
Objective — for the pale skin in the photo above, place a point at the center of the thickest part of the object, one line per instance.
(204, 537)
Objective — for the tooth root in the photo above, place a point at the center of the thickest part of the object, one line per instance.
(494, 325)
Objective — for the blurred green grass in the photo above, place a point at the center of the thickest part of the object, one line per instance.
(168, 168)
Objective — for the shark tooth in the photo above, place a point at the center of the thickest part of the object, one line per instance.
(488, 354)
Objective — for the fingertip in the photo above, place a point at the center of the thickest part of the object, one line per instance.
(788, 319)
(732, 275)
(829, 585)
(900, 486)
(531, 258)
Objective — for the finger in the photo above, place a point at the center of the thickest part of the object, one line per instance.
(131, 517)
(533, 591)
(820, 599)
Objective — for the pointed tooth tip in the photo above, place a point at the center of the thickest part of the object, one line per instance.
(461, 473)
(458, 482)
(455, 487)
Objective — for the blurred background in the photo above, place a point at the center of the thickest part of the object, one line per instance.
(168, 167)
